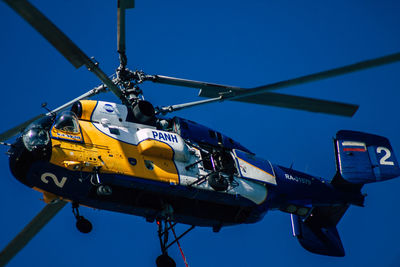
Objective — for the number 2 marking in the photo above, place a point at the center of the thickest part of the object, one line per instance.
(384, 160)
(58, 183)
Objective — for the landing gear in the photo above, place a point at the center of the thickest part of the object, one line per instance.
(164, 226)
(82, 224)
(102, 190)
(165, 261)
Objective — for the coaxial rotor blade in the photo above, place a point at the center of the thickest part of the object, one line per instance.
(60, 41)
(362, 65)
(49, 31)
(260, 95)
(215, 91)
(30, 230)
(291, 101)
(122, 5)
(190, 83)
(17, 129)
(219, 88)
(172, 108)
(273, 99)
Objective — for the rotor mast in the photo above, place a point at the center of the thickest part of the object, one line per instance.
(127, 83)
(122, 5)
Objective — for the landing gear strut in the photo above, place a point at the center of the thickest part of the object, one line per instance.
(83, 225)
(164, 226)
(102, 190)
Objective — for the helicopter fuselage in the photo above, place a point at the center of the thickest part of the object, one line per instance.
(199, 175)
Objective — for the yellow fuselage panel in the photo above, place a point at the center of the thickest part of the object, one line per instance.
(151, 159)
(155, 148)
(88, 107)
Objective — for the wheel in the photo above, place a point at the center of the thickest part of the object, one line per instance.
(104, 190)
(83, 225)
(165, 261)
(218, 182)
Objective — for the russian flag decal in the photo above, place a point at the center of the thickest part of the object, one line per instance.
(354, 146)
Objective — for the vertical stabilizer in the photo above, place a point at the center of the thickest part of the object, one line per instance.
(317, 232)
(364, 158)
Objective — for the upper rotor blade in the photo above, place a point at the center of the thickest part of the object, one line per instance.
(190, 83)
(218, 88)
(49, 31)
(122, 5)
(259, 95)
(294, 102)
(60, 41)
(20, 241)
(362, 65)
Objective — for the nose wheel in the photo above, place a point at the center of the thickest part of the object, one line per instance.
(82, 224)
(165, 261)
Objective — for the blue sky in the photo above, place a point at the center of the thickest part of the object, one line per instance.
(243, 43)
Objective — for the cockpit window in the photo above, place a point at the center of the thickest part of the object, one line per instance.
(67, 122)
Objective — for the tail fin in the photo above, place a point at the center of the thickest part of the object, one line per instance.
(363, 158)
(360, 158)
(317, 232)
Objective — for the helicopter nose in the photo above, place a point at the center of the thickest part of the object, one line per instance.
(20, 160)
(22, 157)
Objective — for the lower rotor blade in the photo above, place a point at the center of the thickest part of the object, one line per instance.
(60, 41)
(17, 129)
(290, 101)
(20, 241)
(172, 108)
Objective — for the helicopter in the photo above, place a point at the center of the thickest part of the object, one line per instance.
(157, 134)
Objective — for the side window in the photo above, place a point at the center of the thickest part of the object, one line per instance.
(67, 122)
(184, 125)
(211, 133)
(219, 135)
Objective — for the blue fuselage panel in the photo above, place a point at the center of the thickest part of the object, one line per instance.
(143, 197)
